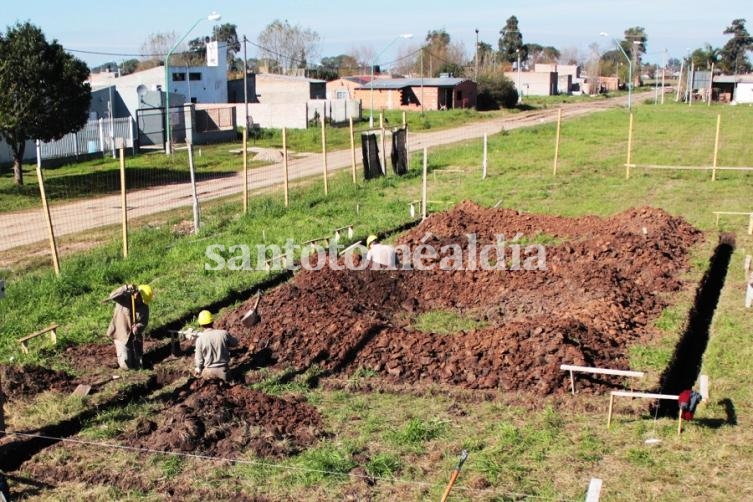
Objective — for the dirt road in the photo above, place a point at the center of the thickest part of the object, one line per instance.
(27, 227)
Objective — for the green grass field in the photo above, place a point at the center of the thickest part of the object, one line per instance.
(409, 439)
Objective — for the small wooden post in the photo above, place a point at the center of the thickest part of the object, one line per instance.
(285, 162)
(194, 193)
(405, 122)
(324, 156)
(352, 149)
(485, 159)
(123, 202)
(557, 141)
(679, 421)
(750, 224)
(245, 170)
(572, 383)
(423, 186)
(716, 146)
(629, 148)
(46, 209)
(609, 413)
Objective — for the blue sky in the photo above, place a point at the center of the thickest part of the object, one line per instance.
(122, 27)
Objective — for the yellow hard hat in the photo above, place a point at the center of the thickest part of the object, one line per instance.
(146, 293)
(370, 239)
(205, 317)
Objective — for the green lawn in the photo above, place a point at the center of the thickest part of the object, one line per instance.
(410, 439)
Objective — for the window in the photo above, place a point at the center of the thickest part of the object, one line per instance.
(179, 77)
(194, 75)
(341, 94)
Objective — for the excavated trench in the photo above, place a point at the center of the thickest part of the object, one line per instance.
(685, 365)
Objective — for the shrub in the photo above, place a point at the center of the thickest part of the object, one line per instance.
(495, 91)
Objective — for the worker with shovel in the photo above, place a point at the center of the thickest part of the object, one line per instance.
(211, 354)
(129, 320)
(380, 256)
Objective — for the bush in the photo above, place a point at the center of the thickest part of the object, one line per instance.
(495, 91)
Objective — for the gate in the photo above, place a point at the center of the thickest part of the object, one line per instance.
(150, 123)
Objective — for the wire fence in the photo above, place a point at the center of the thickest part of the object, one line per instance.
(113, 199)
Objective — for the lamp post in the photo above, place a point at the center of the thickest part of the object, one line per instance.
(212, 17)
(630, 68)
(371, 82)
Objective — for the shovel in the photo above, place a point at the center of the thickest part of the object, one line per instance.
(251, 318)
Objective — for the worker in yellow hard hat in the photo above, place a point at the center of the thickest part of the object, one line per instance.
(211, 355)
(380, 256)
(129, 320)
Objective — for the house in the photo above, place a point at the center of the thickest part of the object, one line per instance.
(344, 88)
(534, 83)
(417, 93)
(568, 75)
(734, 88)
(272, 88)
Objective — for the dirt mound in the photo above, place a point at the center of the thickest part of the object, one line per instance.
(20, 381)
(211, 417)
(596, 294)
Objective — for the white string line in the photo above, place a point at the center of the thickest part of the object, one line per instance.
(268, 464)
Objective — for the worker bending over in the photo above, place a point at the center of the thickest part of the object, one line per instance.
(380, 256)
(212, 356)
(129, 320)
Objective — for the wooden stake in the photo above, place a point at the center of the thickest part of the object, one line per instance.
(423, 186)
(123, 202)
(46, 209)
(557, 141)
(484, 161)
(630, 148)
(285, 162)
(245, 170)
(716, 146)
(194, 192)
(609, 414)
(324, 155)
(352, 149)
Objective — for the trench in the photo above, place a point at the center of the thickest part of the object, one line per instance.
(685, 365)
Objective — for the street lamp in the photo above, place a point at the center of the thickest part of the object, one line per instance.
(476, 75)
(373, 63)
(212, 17)
(630, 66)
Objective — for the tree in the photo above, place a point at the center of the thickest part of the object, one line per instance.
(44, 91)
(734, 58)
(342, 65)
(156, 47)
(635, 45)
(129, 66)
(511, 42)
(495, 90)
(706, 57)
(286, 46)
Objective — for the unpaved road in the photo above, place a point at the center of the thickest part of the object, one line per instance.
(27, 227)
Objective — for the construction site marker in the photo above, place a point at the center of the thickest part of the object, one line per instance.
(603, 371)
(50, 329)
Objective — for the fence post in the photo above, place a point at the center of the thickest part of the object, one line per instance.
(352, 149)
(485, 159)
(46, 209)
(716, 146)
(245, 170)
(423, 184)
(285, 162)
(382, 134)
(123, 203)
(630, 148)
(557, 141)
(324, 154)
(195, 195)
(100, 124)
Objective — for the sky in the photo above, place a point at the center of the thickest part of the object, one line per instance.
(100, 32)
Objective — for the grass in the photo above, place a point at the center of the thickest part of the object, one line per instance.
(518, 446)
(445, 322)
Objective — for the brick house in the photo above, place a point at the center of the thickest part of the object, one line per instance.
(417, 93)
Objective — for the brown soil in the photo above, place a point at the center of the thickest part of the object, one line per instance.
(599, 295)
(19, 381)
(211, 417)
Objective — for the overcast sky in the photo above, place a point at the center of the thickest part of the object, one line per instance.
(117, 30)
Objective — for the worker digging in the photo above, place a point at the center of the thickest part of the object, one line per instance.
(130, 318)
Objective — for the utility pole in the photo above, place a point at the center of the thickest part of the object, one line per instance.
(245, 83)
(476, 55)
